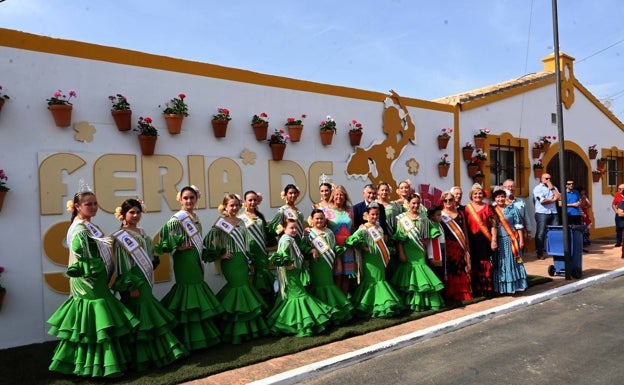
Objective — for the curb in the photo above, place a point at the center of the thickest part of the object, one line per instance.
(323, 367)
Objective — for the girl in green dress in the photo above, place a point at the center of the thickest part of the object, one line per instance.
(155, 344)
(417, 284)
(257, 228)
(322, 245)
(288, 211)
(190, 299)
(227, 243)
(95, 328)
(374, 297)
(295, 311)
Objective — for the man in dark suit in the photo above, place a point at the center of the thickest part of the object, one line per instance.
(370, 195)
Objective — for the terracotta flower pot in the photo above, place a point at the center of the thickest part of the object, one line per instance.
(467, 153)
(326, 137)
(277, 150)
(537, 172)
(479, 142)
(2, 195)
(2, 294)
(294, 131)
(355, 137)
(443, 170)
(260, 130)
(536, 152)
(148, 144)
(593, 154)
(219, 127)
(596, 177)
(174, 123)
(1, 103)
(123, 119)
(61, 114)
(443, 142)
(600, 163)
(545, 147)
(473, 169)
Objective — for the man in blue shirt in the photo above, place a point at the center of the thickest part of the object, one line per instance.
(573, 198)
(546, 196)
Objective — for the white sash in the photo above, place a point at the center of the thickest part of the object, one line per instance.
(255, 231)
(407, 224)
(104, 246)
(134, 249)
(377, 237)
(292, 214)
(323, 247)
(190, 230)
(236, 236)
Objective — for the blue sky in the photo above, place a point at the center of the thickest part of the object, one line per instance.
(421, 49)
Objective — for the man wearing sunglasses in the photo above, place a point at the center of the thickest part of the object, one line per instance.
(573, 199)
(546, 196)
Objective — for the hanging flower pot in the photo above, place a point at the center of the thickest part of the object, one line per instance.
(473, 169)
(443, 141)
(260, 130)
(2, 195)
(294, 130)
(123, 119)
(601, 163)
(467, 153)
(2, 294)
(596, 177)
(478, 178)
(545, 147)
(443, 170)
(479, 141)
(61, 114)
(326, 137)
(148, 144)
(1, 103)
(536, 152)
(219, 127)
(593, 154)
(277, 150)
(355, 137)
(537, 172)
(174, 123)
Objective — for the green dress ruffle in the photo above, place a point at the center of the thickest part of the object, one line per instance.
(94, 327)
(244, 307)
(322, 285)
(296, 311)
(190, 299)
(263, 278)
(374, 297)
(155, 344)
(418, 286)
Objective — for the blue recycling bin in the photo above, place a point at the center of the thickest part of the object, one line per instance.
(554, 247)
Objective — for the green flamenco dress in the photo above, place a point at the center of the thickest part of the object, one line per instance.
(374, 297)
(322, 285)
(418, 286)
(190, 299)
(94, 327)
(263, 277)
(155, 344)
(295, 311)
(244, 307)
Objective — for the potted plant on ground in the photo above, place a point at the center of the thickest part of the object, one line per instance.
(260, 125)
(175, 111)
(480, 136)
(220, 122)
(538, 168)
(295, 126)
(277, 142)
(61, 108)
(148, 134)
(3, 98)
(593, 151)
(122, 114)
(443, 166)
(355, 132)
(3, 187)
(327, 129)
(444, 137)
(467, 151)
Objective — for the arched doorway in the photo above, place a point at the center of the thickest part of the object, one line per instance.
(575, 169)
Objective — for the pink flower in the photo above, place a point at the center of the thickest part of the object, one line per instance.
(72, 93)
(58, 94)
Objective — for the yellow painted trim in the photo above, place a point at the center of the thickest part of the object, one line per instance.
(477, 103)
(598, 105)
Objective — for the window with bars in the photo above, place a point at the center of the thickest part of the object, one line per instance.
(508, 156)
(614, 171)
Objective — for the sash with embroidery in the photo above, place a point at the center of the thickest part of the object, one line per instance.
(323, 247)
(475, 216)
(138, 254)
(292, 214)
(103, 245)
(515, 246)
(377, 237)
(190, 230)
(235, 234)
(458, 234)
(408, 226)
(255, 231)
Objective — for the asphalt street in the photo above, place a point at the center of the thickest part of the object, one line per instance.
(573, 339)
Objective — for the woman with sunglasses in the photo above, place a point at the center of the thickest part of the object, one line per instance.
(457, 258)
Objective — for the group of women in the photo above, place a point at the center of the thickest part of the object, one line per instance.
(321, 272)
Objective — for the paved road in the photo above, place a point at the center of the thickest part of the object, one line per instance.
(574, 339)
